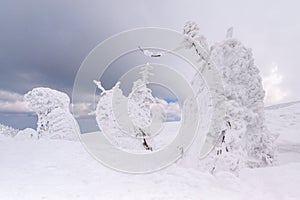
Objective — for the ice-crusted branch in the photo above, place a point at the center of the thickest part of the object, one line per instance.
(149, 53)
(99, 85)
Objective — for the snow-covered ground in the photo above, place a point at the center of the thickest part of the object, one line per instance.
(284, 121)
(59, 169)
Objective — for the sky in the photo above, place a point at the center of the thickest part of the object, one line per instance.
(43, 42)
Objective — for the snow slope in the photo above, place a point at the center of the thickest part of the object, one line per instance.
(284, 121)
(60, 169)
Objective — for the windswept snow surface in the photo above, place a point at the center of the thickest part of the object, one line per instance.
(61, 169)
(284, 121)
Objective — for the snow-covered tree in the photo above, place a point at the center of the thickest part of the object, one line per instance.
(140, 100)
(8, 131)
(247, 136)
(126, 120)
(104, 113)
(244, 140)
(142, 106)
(54, 118)
(111, 116)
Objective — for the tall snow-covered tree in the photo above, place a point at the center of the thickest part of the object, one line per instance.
(245, 140)
(247, 136)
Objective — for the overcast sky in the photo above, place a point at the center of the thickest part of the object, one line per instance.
(43, 42)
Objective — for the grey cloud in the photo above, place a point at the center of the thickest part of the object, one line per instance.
(43, 42)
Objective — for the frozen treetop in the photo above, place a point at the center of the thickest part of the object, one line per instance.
(41, 99)
(196, 39)
(145, 72)
(229, 32)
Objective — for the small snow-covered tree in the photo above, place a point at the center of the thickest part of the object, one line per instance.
(141, 105)
(8, 131)
(54, 118)
(126, 120)
(104, 113)
(111, 118)
(140, 100)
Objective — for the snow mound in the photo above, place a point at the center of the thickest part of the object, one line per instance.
(27, 133)
(54, 118)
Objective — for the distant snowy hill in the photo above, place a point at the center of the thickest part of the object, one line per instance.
(281, 105)
(61, 169)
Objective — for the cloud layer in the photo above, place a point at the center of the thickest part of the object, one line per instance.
(42, 43)
(12, 102)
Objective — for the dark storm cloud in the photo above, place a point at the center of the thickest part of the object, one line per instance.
(42, 43)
